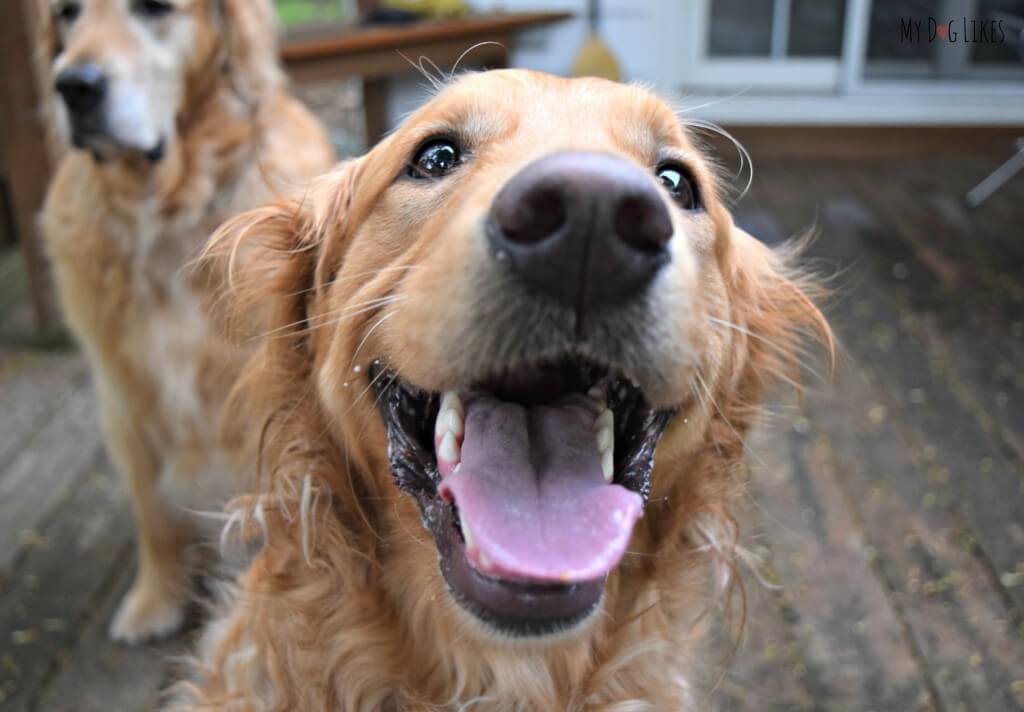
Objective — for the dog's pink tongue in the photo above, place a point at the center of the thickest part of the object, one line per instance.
(531, 495)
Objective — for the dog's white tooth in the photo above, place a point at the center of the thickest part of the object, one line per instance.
(608, 464)
(453, 421)
(604, 439)
(466, 534)
(449, 416)
(485, 561)
(449, 449)
(604, 420)
(450, 401)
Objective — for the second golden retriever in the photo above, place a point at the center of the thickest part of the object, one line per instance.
(179, 120)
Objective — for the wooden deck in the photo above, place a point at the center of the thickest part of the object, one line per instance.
(887, 509)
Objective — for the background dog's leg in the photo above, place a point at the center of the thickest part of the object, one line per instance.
(155, 604)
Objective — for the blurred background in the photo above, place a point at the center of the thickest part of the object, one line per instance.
(884, 529)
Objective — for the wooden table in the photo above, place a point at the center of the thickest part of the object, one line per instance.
(379, 54)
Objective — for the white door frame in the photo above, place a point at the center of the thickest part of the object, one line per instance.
(776, 72)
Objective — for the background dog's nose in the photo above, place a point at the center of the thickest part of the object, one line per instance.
(584, 228)
(82, 86)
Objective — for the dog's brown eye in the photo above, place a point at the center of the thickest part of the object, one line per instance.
(435, 159)
(69, 12)
(678, 181)
(154, 8)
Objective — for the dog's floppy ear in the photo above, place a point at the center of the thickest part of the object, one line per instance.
(273, 263)
(251, 47)
(48, 40)
(775, 308)
(48, 46)
(270, 269)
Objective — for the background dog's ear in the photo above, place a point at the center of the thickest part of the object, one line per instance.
(49, 45)
(250, 39)
(48, 40)
(776, 308)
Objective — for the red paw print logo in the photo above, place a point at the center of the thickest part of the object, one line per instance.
(942, 31)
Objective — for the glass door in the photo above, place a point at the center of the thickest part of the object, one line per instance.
(772, 44)
(925, 46)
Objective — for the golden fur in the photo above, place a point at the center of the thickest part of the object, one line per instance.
(122, 229)
(344, 607)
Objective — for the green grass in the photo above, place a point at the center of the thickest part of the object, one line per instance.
(301, 12)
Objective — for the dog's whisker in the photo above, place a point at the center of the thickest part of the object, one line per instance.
(436, 83)
(335, 319)
(784, 351)
(405, 529)
(373, 380)
(467, 52)
(328, 318)
(369, 332)
(356, 275)
(741, 150)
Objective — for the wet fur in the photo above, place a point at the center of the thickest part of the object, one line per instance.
(344, 607)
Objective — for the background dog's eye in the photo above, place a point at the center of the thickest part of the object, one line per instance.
(154, 8)
(435, 159)
(678, 181)
(69, 12)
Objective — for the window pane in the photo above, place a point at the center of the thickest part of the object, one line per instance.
(1010, 15)
(740, 28)
(945, 39)
(816, 28)
(884, 37)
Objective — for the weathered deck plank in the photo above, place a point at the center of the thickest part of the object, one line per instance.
(44, 472)
(914, 534)
(857, 656)
(984, 471)
(62, 579)
(33, 386)
(112, 676)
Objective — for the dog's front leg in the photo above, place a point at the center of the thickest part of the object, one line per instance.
(155, 604)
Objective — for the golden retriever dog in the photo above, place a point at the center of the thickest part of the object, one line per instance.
(513, 355)
(179, 118)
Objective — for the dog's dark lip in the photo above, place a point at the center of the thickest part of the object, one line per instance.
(157, 152)
(85, 135)
(515, 608)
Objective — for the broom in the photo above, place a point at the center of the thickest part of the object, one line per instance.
(595, 59)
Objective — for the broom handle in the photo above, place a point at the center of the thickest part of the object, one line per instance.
(593, 15)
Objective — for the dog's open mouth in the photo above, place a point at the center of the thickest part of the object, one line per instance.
(530, 481)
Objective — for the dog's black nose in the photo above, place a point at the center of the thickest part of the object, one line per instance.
(82, 86)
(584, 228)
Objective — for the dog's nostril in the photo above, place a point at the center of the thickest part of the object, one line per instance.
(83, 86)
(643, 222)
(536, 215)
(586, 229)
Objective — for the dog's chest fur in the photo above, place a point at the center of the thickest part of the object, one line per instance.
(122, 254)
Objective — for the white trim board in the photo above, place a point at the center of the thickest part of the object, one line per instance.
(856, 110)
